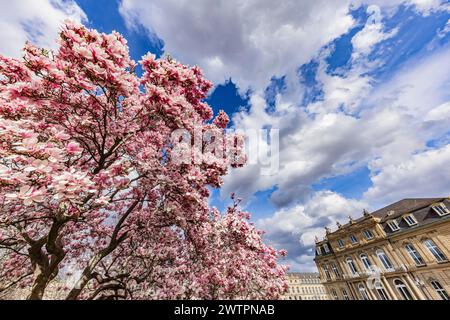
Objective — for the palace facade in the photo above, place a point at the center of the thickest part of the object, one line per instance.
(399, 252)
(305, 286)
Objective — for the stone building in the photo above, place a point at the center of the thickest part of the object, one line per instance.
(305, 286)
(399, 252)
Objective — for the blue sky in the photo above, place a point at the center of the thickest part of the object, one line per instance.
(358, 89)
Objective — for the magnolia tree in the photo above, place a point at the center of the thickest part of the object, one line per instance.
(92, 189)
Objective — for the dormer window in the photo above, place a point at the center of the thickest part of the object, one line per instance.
(410, 220)
(393, 224)
(368, 234)
(441, 209)
(341, 243)
(353, 239)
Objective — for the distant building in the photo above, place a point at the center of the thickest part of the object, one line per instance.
(400, 252)
(305, 286)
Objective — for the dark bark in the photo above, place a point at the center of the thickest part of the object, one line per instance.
(88, 272)
(46, 269)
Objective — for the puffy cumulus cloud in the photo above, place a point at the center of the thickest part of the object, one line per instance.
(250, 41)
(34, 20)
(390, 134)
(426, 174)
(417, 87)
(415, 99)
(357, 122)
(295, 228)
(253, 40)
(310, 148)
(409, 168)
(341, 91)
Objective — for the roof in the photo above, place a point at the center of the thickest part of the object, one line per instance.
(420, 207)
(303, 274)
(404, 206)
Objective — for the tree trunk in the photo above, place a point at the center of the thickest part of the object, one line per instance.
(86, 276)
(38, 289)
(46, 269)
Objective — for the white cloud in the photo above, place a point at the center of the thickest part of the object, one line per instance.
(250, 41)
(34, 20)
(294, 229)
(388, 128)
(411, 101)
(425, 174)
(440, 113)
(371, 34)
(382, 126)
(253, 40)
(345, 91)
(427, 6)
(445, 30)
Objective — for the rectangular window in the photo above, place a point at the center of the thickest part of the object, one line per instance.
(327, 273)
(393, 224)
(368, 234)
(363, 292)
(353, 239)
(336, 271)
(326, 248)
(414, 255)
(384, 260)
(410, 220)
(441, 209)
(345, 294)
(382, 293)
(352, 266)
(335, 295)
(341, 243)
(434, 249)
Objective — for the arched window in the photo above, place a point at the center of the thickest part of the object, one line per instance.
(384, 259)
(417, 258)
(363, 292)
(403, 290)
(351, 266)
(434, 249)
(382, 294)
(440, 290)
(366, 262)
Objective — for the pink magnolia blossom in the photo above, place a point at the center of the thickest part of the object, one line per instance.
(88, 184)
(73, 148)
(221, 120)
